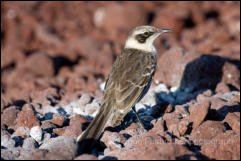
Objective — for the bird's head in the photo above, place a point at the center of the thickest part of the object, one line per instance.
(142, 38)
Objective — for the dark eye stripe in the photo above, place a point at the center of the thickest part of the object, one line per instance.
(141, 38)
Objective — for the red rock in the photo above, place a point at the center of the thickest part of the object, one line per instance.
(22, 131)
(168, 22)
(206, 132)
(200, 98)
(113, 140)
(217, 103)
(181, 110)
(222, 88)
(75, 127)
(10, 55)
(27, 118)
(40, 65)
(236, 98)
(47, 125)
(158, 125)
(177, 58)
(58, 119)
(231, 75)
(59, 131)
(207, 93)
(169, 108)
(172, 120)
(234, 121)
(117, 28)
(228, 14)
(133, 129)
(198, 113)
(182, 141)
(44, 97)
(86, 157)
(223, 107)
(183, 127)
(224, 146)
(152, 151)
(8, 117)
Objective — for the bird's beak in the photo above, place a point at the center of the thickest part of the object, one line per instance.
(164, 30)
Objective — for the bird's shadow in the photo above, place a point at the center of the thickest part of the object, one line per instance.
(199, 75)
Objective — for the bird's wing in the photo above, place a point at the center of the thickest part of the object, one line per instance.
(130, 77)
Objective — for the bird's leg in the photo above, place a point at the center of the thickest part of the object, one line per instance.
(140, 122)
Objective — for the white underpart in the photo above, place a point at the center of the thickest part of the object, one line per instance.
(148, 46)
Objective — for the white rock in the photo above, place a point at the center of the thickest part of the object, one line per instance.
(93, 108)
(139, 106)
(36, 133)
(84, 99)
(161, 88)
(149, 99)
(102, 86)
(99, 16)
(48, 109)
(174, 89)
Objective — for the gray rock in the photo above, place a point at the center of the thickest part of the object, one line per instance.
(7, 142)
(46, 137)
(63, 146)
(29, 144)
(6, 154)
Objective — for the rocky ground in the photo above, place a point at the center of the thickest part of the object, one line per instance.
(55, 57)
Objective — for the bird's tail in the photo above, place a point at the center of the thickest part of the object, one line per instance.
(92, 133)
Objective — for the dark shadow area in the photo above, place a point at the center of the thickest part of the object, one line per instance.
(99, 76)
(201, 74)
(109, 158)
(53, 99)
(188, 22)
(19, 103)
(3, 147)
(91, 146)
(8, 67)
(18, 141)
(204, 72)
(150, 17)
(48, 116)
(63, 112)
(222, 112)
(30, 52)
(85, 125)
(130, 118)
(198, 155)
(196, 149)
(212, 14)
(61, 61)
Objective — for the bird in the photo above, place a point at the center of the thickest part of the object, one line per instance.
(128, 81)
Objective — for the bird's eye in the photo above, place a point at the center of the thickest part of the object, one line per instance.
(146, 33)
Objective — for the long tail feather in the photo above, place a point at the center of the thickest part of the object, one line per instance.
(93, 132)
